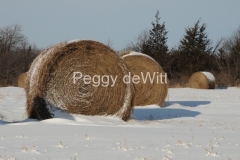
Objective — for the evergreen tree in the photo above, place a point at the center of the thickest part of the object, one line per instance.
(195, 49)
(153, 43)
(156, 46)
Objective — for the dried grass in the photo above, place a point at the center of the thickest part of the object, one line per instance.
(200, 81)
(49, 83)
(149, 93)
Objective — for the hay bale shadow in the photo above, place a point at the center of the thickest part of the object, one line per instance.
(151, 114)
(42, 112)
(2, 122)
(222, 87)
(187, 103)
(57, 114)
(63, 115)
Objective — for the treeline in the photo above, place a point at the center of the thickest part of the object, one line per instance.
(16, 54)
(195, 53)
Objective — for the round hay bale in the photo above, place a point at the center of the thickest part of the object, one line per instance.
(21, 79)
(202, 80)
(50, 81)
(146, 92)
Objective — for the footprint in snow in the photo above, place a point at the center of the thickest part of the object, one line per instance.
(61, 145)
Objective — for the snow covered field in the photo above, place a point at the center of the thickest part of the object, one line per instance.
(194, 124)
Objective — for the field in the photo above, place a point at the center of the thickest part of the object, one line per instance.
(193, 124)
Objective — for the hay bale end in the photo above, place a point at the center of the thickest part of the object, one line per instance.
(202, 80)
(146, 92)
(22, 79)
(50, 86)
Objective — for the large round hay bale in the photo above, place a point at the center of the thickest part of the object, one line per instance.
(202, 80)
(50, 81)
(146, 91)
(21, 79)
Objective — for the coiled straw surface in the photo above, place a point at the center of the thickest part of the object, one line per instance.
(146, 93)
(202, 80)
(49, 84)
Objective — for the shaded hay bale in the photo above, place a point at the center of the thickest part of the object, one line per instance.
(21, 79)
(202, 80)
(146, 93)
(49, 84)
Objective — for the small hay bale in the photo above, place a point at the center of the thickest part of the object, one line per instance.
(50, 86)
(146, 93)
(22, 79)
(202, 80)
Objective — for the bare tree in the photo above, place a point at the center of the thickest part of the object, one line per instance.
(228, 58)
(139, 43)
(10, 38)
(15, 52)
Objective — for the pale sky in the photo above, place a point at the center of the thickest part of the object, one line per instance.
(48, 22)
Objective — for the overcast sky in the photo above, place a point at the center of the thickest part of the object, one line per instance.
(48, 22)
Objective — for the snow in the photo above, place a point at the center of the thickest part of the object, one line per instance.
(209, 76)
(194, 124)
(37, 63)
(127, 101)
(78, 40)
(133, 53)
(73, 41)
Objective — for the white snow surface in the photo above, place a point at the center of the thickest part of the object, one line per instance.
(133, 53)
(77, 40)
(209, 76)
(194, 124)
(73, 41)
